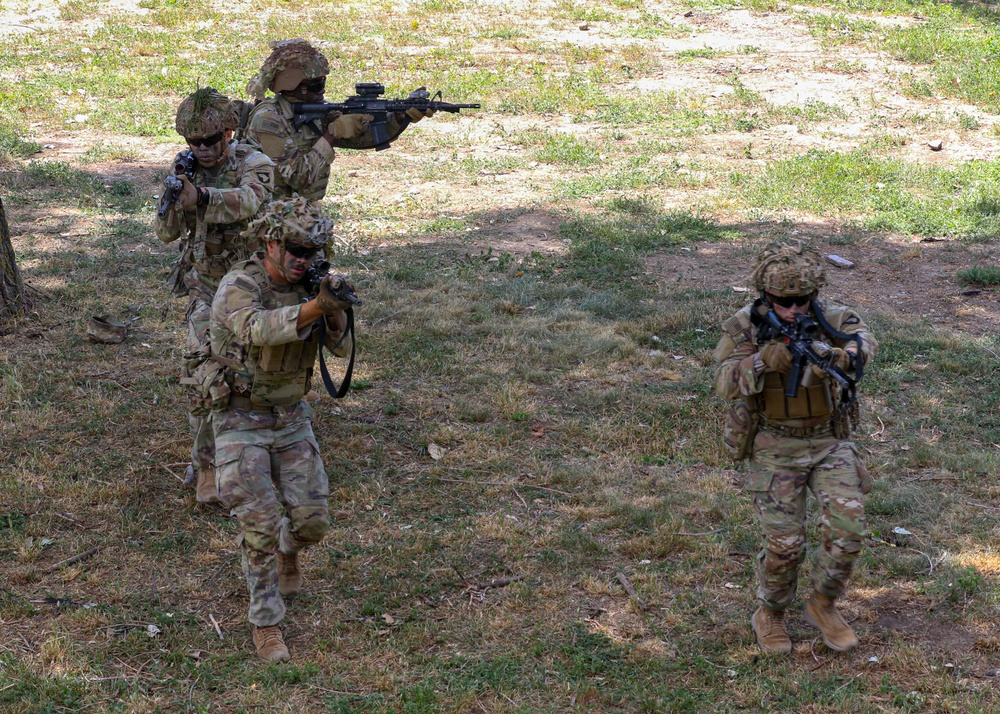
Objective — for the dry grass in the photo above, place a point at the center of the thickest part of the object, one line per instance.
(542, 294)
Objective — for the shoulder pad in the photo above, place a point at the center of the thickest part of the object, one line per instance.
(738, 326)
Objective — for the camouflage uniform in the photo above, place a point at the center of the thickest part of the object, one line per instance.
(791, 452)
(236, 189)
(802, 442)
(303, 155)
(266, 451)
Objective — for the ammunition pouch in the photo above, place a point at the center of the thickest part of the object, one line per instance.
(740, 430)
(205, 382)
(815, 400)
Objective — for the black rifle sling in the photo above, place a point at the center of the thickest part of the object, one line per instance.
(859, 365)
(327, 381)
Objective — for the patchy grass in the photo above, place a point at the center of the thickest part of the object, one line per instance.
(543, 284)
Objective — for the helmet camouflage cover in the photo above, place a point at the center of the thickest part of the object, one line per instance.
(206, 112)
(788, 268)
(290, 62)
(294, 219)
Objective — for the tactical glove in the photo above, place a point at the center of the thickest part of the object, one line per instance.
(329, 119)
(350, 126)
(415, 114)
(837, 358)
(331, 289)
(189, 194)
(777, 357)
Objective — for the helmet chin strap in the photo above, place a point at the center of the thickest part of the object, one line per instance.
(279, 265)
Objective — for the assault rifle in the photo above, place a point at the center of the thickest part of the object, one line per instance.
(314, 276)
(345, 291)
(800, 337)
(185, 165)
(367, 101)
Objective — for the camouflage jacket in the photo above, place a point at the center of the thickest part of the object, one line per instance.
(302, 156)
(236, 190)
(737, 376)
(252, 332)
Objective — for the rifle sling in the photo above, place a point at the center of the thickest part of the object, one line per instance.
(335, 392)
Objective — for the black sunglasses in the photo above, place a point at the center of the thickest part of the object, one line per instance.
(207, 141)
(797, 300)
(302, 252)
(314, 85)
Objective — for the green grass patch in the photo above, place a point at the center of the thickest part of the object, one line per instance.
(980, 275)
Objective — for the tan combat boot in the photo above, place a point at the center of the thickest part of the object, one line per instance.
(769, 626)
(269, 644)
(206, 491)
(822, 613)
(289, 577)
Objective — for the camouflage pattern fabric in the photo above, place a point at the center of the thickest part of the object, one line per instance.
(246, 324)
(781, 470)
(294, 54)
(782, 467)
(263, 459)
(237, 189)
(789, 267)
(206, 112)
(201, 291)
(302, 156)
(266, 455)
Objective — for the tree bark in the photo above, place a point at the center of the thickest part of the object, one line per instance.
(13, 299)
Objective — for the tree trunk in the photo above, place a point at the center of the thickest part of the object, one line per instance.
(13, 299)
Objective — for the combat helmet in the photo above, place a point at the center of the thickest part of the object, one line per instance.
(788, 268)
(290, 62)
(206, 112)
(293, 219)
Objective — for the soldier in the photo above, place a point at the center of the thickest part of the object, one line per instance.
(296, 72)
(229, 184)
(263, 331)
(799, 442)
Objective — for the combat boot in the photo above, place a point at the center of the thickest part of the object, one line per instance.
(822, 613)
(269, 644)
(289, 576)
(206, 491)
(769, 626)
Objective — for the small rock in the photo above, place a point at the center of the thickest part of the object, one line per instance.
(739, 289)
(993, 673)
(839, 262)
(352, 173)
(936, 145)
(585, 27)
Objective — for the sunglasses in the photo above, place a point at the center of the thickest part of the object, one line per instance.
(302, 252)
(786, 302)
(314, 85)
(207, 141)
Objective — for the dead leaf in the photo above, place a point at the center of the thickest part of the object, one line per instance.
(538, 431)
(389, 619)
(435, 451)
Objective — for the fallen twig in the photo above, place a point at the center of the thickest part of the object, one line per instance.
(983, 505)
(631, 591)
(500, 483)
(697, 535)
(498, 583)
(73, 559)
(215, 624)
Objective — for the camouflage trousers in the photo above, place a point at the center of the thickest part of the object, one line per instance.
(264, 458)
(781, 469)
(201, 291)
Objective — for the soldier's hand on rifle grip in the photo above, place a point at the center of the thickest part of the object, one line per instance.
(349, 126)
(328, 120)
(328, 300)
(189, 194)
(777, 357)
